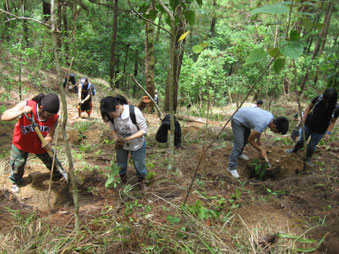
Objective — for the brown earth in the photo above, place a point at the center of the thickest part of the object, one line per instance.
(288, 199)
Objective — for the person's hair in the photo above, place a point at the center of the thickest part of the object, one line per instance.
(108, 104)
(260, 102)
(49, 102)
(84, 80)
(281, 123)
(330, 98)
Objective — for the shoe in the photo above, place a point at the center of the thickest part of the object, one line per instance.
(289, 150)
(244, 157)
(142, 184)
(123, 179)
(309, 162)
(234, 173)
(15, 188)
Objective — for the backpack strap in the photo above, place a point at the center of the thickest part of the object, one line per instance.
(132, 115)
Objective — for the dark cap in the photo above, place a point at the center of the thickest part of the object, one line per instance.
(50, 103)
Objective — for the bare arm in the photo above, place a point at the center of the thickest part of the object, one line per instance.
(330, 127)
(135, 135)
(251, 139)
(16, 111)
(307, 110)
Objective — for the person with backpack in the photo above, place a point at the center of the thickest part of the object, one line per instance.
(85, 92)
(257, 120)
(71, 78)
(319, 118)
(129, 128)
(42, 110)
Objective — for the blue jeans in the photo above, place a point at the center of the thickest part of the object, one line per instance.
(315, 138)
(138, 160)
(240, 139)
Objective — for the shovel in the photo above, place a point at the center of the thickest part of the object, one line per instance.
(50, 153)
(268, 162)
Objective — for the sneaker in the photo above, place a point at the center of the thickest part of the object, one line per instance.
(234, 173)
(15, 188)
(309, 162)
(244, 157)
(289, 150)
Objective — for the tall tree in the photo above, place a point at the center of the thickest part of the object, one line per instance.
(112, 61)
(149, 52)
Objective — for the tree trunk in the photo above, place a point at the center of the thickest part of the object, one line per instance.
(5, 34)
(113, 45)
(54, 33)
(322, 38)
(178, 56)
(149, 58)
(214, 21)
(66, 30)
(169, 84)
(124, 83)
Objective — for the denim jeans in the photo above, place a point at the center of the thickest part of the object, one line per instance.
(18, 162)
(138, 160)
(315, 138)
(240, 139)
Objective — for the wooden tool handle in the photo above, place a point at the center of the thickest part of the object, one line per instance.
(43, 141)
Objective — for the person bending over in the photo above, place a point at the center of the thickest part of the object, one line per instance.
(247, 125)
(43, 110)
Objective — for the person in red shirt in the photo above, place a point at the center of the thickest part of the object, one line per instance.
(43, 110)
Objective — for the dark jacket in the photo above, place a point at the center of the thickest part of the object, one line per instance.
(162, 132)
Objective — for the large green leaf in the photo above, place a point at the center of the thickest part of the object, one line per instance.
(278, 64)
(197, 48)
(271, 9)
(307, 23)
(190, 16)
(293, 49)
(273, 52)
(199, 2)
(256, 55)
(294, 35)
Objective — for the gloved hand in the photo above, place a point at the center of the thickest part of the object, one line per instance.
(119, 143)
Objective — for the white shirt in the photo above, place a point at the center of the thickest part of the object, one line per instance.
(124, 127)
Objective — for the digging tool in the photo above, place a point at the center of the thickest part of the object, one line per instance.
(50, 153)
(268, 162)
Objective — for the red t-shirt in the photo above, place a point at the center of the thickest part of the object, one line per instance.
(25, 138)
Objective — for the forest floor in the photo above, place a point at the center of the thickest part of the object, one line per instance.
(289, 209)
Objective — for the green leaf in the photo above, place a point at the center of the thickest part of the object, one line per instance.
(204, 44)
(318, 25)
(307, 23)
(270, 9)
(278, 64)
(273, 52)
(294, 35)
(256, 55)
(109, 181)
(190, 17)
(199, 2)
(197, 48)
(293, 49)
(153, 14)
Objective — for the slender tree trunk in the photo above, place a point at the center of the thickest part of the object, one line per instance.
(124, 70)
(322, 39)
(214, 20)
(54, 33)
(5, 34)
(66, 30)
(135, 71)
(170, 81)
(113, 45)
(149, 58)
